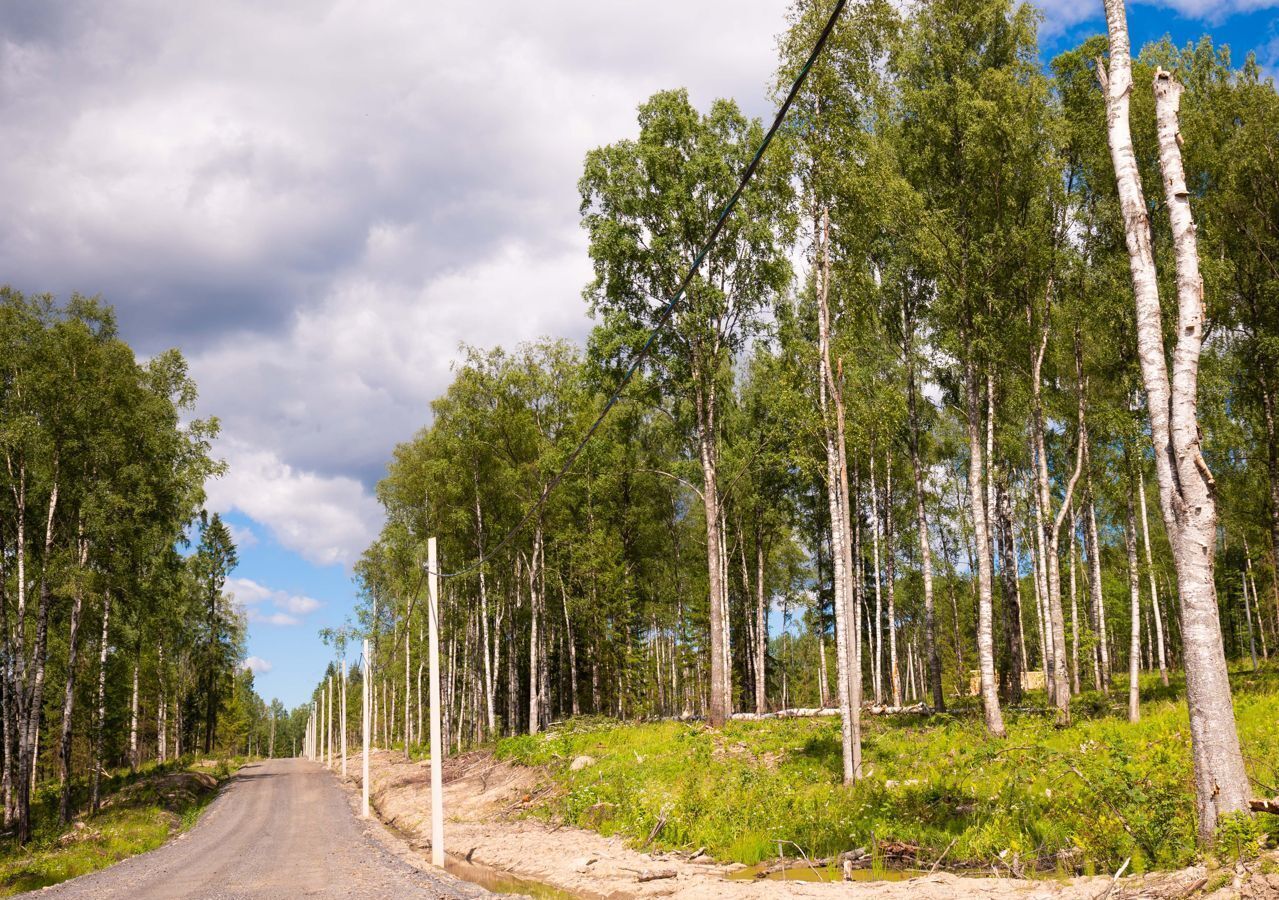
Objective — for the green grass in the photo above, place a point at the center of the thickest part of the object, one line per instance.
(1096, 793)
(142, 811)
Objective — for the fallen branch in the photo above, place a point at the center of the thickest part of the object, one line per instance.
(657, 829)
(787, 714)
(810, 713)
(1266, 806)
(1115, 880)
(810, 863)
(943, 856)
(655, 875)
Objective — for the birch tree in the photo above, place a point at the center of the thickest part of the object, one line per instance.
(1186, 486)
(647, 204)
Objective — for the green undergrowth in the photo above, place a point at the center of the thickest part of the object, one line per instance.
(140, 811)
(1079, 799)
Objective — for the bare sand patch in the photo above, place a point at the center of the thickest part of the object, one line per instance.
(487, 801)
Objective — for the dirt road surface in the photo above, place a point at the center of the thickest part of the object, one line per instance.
(281, 829)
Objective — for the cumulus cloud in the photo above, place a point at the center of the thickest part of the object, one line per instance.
(255, 599)
(299, 605)
(215, 171)
(257, 665)
(326, 519)
(276, 618)
(248, 592)
(1062, 15)
(242, 535)
(320, 201)
(1213, 11)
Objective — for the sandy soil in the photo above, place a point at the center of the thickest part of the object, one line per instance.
(485, 801)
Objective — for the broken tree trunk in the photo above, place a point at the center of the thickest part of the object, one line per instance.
(1186, 488)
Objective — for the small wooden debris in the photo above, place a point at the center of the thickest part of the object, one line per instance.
(657, 829)
(655, 875)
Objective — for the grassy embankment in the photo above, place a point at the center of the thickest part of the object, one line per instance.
(140, 812)
(1074, 800)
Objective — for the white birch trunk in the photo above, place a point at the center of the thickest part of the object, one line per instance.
(1154, 589)
(877, 673)
(1098, 598)
(847, 651)
(1186, 489)
(1074, 605)
(985, 613)
(1134, 598)
(921, 515)
(894, 671)
(133, 721)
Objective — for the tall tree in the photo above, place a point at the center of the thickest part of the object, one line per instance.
(213, 562)
(647, 205)
(1186, 486)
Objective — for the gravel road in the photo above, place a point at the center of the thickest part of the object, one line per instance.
(280, 829)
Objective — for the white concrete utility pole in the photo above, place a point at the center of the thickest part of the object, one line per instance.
(328, 719)
(365, 680)
(437, 747)
(344, 718)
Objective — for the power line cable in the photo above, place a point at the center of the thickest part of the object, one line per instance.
(667, 311)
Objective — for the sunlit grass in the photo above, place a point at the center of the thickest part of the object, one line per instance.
(139, 816)
(1093, 794)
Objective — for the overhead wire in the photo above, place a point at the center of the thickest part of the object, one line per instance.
(667, 310)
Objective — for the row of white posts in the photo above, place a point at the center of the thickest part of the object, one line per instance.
(318, 745)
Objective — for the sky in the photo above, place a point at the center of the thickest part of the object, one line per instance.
(321, 201)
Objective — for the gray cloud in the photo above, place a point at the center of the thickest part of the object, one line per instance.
(319, 201)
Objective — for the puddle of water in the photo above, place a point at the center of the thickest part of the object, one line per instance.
(496, 880)
(500, 882)
(801, 871)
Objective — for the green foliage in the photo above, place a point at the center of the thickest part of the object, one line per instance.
(1238, 838)
(141, 812)
(1092, 794)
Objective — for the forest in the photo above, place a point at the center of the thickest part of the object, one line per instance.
(960, 445)
(119, 644)
(920, 435)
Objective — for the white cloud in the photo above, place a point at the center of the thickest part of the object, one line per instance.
(356, 374)
(1212, 11)
(327, 519)
(1061, 15)
(1268, 57)
(247, 591)
(279, 618)
(257, 665)
(320, 200)
(242, 535)
(298, 604)
(254, 597)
